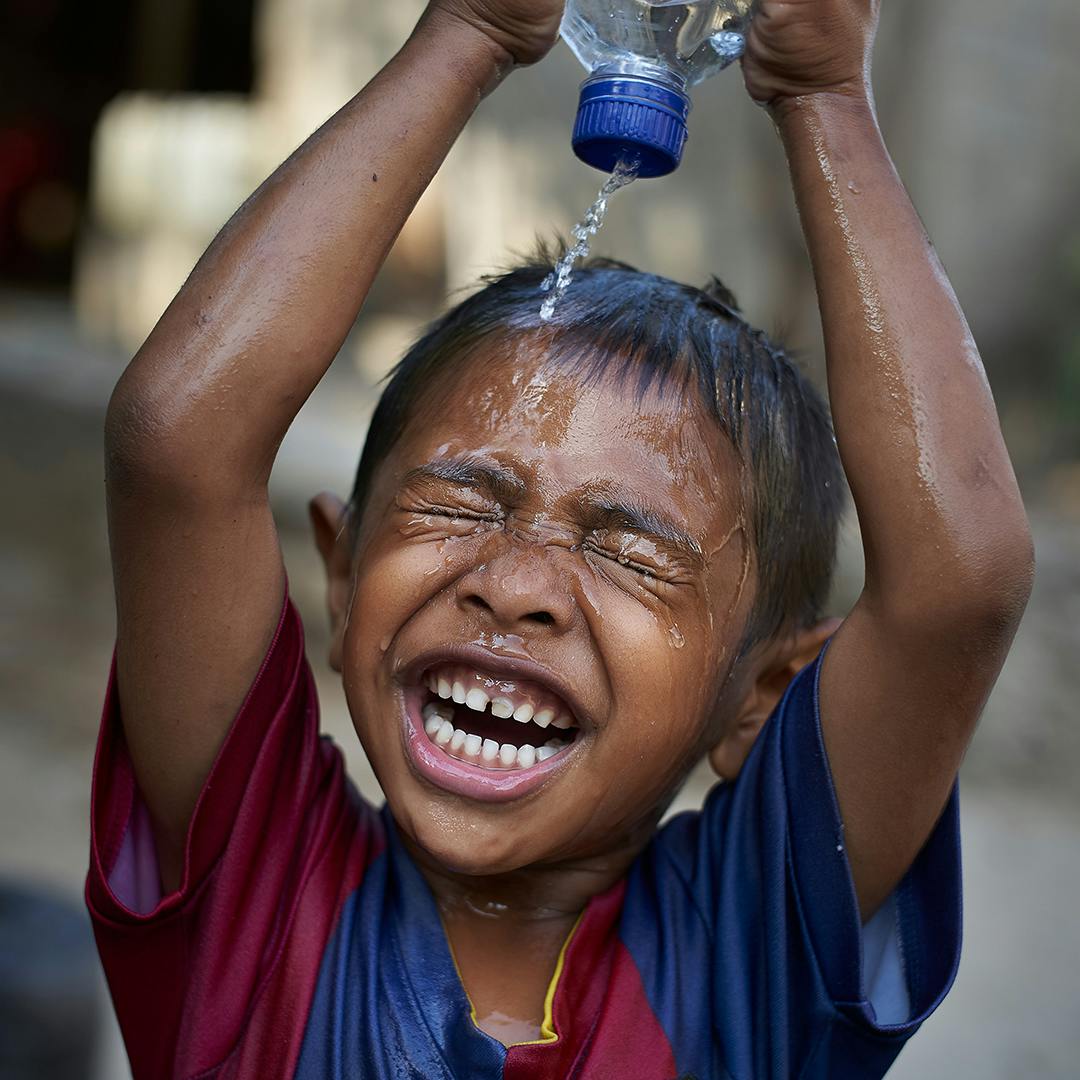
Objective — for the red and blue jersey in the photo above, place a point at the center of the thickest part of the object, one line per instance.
(304, 943)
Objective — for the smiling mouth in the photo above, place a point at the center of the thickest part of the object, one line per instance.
(495, 724)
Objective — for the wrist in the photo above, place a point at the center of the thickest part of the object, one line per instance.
(473, 55)
(847, 104)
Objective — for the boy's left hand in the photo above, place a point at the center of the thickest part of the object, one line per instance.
(800, 47)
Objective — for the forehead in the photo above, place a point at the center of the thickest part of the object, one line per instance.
(563, 433)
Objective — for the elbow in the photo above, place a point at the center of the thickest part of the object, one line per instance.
(131, 445)
(164, 444)
(145, 446)
(985, 591)
(1019, 579)
(1001, 574)
(977, 594)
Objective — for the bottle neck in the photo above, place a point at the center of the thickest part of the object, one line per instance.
(635, 67)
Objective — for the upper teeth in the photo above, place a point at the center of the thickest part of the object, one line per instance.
(526, 703)
(478, 691)
(477, 700)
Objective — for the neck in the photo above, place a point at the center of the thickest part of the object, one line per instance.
(533, 895)
(506, 931)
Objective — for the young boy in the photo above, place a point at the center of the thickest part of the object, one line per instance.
(579, 557)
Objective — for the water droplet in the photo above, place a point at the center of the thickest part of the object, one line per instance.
(676, 635)
(854, 188)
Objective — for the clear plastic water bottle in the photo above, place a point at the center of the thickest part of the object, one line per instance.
(642, 57)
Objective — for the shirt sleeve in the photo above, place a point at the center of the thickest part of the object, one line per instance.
(277, 840)
(798, 986)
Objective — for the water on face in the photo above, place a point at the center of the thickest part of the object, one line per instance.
(558, 281)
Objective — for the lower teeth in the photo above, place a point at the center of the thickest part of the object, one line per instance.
(486, 753)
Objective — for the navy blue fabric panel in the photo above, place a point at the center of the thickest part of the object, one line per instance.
(672, 943)
(928, 900)
(389, 1004)
(743, 921)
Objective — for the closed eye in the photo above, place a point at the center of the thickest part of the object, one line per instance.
(623, 560)
(456, 513)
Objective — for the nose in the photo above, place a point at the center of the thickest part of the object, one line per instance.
(521, 588)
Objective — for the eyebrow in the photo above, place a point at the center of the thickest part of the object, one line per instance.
(501, 482)
(604, 511)
(627, 513)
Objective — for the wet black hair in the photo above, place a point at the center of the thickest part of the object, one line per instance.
(616, 321)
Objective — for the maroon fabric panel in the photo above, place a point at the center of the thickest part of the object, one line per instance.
(607, 1029)
(218, 978)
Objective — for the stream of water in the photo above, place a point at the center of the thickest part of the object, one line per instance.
(558, 281)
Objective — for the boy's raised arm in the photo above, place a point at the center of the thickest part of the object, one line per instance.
(948, 550)
(196, 420)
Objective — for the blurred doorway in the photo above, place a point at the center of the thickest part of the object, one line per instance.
(61, 61)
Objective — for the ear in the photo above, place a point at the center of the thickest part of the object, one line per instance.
(328, 522)
(776, 666)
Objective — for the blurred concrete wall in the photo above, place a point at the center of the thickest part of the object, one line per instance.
(976, 98)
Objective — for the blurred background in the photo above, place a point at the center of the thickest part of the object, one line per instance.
(131, 129)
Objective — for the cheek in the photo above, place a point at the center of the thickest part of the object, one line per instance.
(659, 653)
(384, 588)
(395, 577)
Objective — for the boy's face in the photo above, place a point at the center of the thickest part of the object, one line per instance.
(563, 553)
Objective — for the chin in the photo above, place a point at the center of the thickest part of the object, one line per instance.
(466, 841)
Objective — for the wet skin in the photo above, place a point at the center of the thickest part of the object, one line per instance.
(643, 645)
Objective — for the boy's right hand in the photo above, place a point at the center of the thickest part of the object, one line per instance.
(524, 30)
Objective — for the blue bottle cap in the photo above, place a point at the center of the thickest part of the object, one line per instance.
(629, 117)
